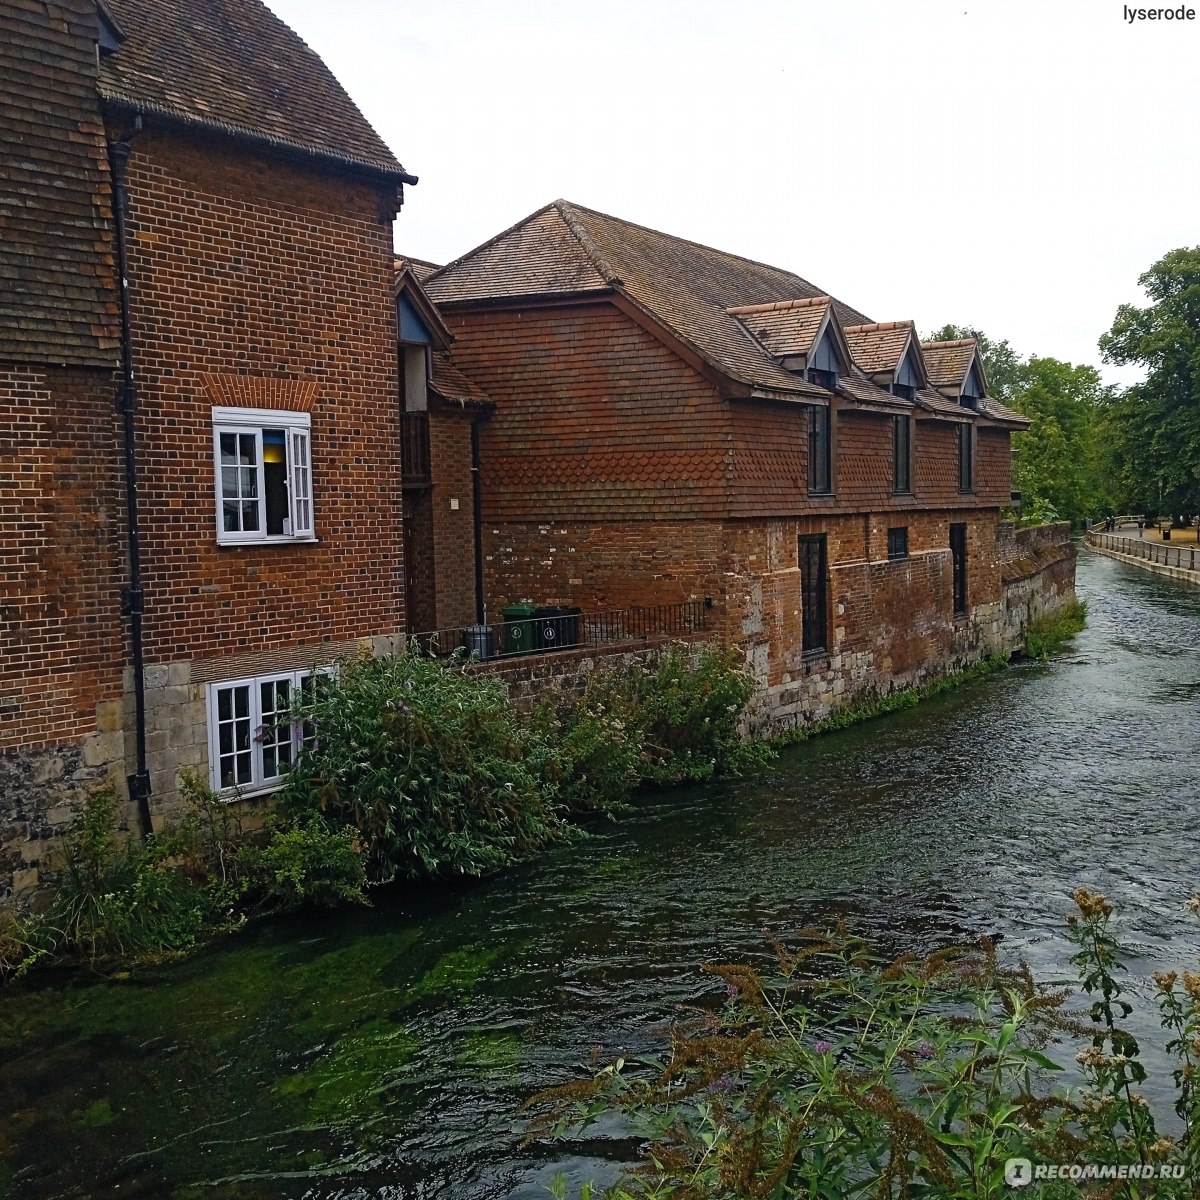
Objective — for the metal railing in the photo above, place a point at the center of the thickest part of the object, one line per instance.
(1187, 558)
(557, 628)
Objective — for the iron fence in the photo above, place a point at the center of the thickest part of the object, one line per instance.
(555, 628)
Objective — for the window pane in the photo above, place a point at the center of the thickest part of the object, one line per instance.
(228, 449)
(275, 476)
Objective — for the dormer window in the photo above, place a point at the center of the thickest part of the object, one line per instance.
(906, 391)
(972, 391)
(823, 378)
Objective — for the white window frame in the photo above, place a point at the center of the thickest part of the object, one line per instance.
(297, 430)
(259, 781)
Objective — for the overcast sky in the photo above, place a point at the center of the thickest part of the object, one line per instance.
(1006, 164)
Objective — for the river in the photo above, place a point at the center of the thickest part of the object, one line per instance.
(383, 1054)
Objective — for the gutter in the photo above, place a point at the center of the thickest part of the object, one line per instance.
(132, 596)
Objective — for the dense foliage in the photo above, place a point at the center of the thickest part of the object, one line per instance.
(839, 1075)
(440, 775)
(119, 898)
(1157, 422)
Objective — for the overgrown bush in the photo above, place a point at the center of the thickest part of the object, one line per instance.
(430, 765)
(840, 1075)
(1046, 635)
(117, 898)
(689, 715)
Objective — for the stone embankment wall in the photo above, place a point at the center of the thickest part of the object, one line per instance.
(893, 624)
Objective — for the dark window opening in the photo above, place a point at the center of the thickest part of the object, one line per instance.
(905, 390)
(898, 542)
(822, 378)
(958, 554)
(966, 460)
(820, 474)
(902, 454)
(275, 481)
(814, 593)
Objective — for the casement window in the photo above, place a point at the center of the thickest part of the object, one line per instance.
(958, 556)
(814, 593)
(966, 458)
(820, 450)
(898, 541)
(263, 464)
(252, 739)
(902, 455)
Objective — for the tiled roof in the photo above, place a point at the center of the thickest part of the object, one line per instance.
(935, 402)
(232, 65)
(58, 299)
(785, 327)
(420, 269)
(859, 388)
(878, 348)
(451, 384)
(993, 409)
(948, 362)
(566, 249)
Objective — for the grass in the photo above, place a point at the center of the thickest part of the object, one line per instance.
(1046, 635)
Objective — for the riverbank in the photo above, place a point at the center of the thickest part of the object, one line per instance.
(1179, 562)
(390, 1049)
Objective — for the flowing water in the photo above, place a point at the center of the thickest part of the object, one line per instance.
(385, 1053)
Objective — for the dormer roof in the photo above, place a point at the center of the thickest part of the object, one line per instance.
(879, 349)
(791, 331)
(948, 364)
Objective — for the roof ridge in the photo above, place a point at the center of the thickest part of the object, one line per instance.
(879, 326)
(745, 310)
(565, 210)
(754, 262)
(454, 262)
(950, 344)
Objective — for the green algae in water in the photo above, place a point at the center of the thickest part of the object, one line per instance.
(98, 1114)
(458, 971)
(355, 1076)
(492, 1054)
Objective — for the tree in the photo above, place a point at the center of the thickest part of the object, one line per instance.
(1157, 421)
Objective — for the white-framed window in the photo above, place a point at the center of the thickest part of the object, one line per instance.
(263, 463)
(252, 739)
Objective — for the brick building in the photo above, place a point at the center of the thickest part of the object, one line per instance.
(675, 423)
(262, 535)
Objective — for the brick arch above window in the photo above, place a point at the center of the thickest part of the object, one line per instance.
(260, 391)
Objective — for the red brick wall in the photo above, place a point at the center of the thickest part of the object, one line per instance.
(602, 565)
(453, 528)
(61, 553)
(242, 265)
(595, 419)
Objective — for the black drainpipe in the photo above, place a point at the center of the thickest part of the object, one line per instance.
(132, 597)
(480, 609)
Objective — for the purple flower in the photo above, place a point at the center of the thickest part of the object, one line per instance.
(821, 1046)
(925, 1050)
(731, 989)
(724, 1084)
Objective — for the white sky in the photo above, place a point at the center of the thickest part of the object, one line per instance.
(1007, 164)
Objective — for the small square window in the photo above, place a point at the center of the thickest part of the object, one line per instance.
(898, 541)
(263, 466)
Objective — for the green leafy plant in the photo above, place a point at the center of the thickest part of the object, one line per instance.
(840, 1075)
(1046, 635)
(429, 764)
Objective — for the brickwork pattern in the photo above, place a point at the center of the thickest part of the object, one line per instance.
(61, 553)
(247, 266)
(595, 418)
(453, 527)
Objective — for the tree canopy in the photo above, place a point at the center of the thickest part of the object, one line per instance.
(1157, 421)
